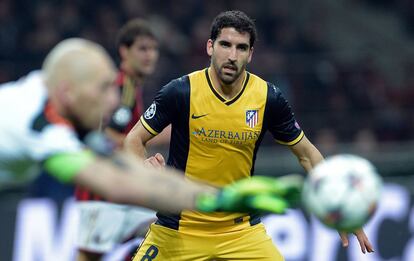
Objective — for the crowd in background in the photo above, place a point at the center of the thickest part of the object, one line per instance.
(404, 8)
(337, 101)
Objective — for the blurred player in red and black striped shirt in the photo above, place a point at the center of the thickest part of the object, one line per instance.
(104, 224)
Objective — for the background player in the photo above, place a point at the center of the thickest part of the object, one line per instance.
(139, 51)
(219, 116)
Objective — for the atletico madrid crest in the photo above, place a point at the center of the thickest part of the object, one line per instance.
(252, 117)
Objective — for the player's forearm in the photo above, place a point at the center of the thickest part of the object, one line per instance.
(166, 191)
(308, 155)
(163, 190)
(134, 144)
(311, 159)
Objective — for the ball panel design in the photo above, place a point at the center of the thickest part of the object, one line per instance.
(343, 191)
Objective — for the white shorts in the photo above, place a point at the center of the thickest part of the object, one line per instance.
(104, 225)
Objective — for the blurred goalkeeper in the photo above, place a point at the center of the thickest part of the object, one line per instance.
(98, 234)
(45, 118)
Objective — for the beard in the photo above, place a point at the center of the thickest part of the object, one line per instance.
(228, 78)
(142, 71)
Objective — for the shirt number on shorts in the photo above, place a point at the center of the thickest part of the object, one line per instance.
(151, 253)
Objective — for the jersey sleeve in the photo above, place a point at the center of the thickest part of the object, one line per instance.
(59, 149)
(164, 109)
(280, 118)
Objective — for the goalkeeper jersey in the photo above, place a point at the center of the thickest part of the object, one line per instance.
(215, 139)
(30, 129)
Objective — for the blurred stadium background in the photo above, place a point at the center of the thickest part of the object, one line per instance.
(346, 66)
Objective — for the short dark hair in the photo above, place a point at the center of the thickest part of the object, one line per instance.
(235, 19)
(136, 27)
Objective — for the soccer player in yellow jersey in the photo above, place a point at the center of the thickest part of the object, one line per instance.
(219, 116)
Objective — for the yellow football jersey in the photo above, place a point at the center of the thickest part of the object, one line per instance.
(215, 140)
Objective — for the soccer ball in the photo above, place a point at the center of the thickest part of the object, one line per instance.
(342, 191)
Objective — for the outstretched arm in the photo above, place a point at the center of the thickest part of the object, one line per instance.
(128, 181)
(121, 178)
(124, 179)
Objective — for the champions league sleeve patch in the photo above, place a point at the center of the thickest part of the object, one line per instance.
(150, 112)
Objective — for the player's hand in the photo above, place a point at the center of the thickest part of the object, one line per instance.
(362, 239)
(157, 161)
(263, 194)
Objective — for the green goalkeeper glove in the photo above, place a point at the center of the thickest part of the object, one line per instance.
(259, 193)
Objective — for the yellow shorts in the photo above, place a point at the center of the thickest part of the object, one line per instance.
(252, 243)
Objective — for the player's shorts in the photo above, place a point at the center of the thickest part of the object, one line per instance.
(105, 225)
(252, 243)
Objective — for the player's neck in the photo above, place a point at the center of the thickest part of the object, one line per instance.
(228, 91)
(137, 78)
(57, 108)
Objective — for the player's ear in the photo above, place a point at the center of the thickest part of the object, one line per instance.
(65, 93)
(250, 55)
(209, 47)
